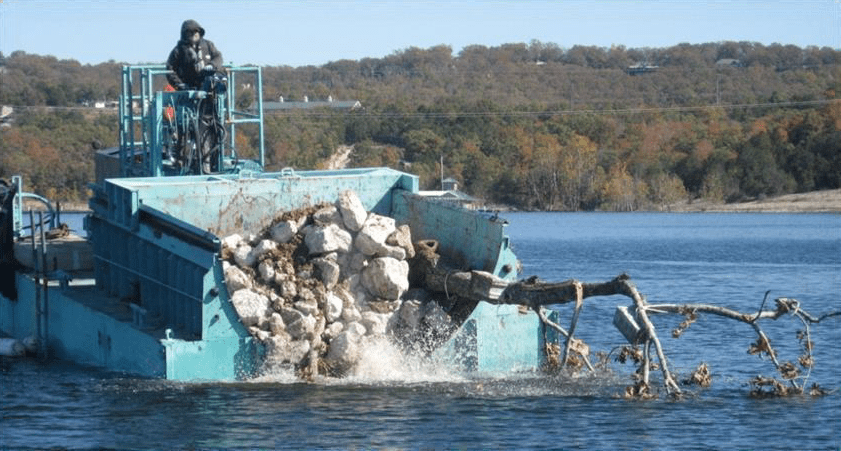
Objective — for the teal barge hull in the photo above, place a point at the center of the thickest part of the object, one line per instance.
(156, 303)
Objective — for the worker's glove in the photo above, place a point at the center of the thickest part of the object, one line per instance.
(181, 86)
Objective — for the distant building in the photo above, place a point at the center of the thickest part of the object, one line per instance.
(641, 68)
(456, 197)
(449, 184)
(6, 116)
(731, 62)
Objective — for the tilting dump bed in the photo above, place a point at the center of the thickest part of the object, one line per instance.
(157, 243)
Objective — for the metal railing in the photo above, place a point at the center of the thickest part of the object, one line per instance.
(144, 103)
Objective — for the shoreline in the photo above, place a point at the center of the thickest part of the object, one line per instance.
(825, 201)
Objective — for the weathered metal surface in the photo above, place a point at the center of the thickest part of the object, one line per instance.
(471, 239)
(226, 204)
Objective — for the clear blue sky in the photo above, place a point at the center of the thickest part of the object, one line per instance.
(298, 33)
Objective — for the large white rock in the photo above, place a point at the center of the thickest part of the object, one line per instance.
(332, 238)
(261, 248)
(352, 210)
(232, 241)
(266, 270)
(283, 349)
(402, 237)
(235, 279)
(371, 238)
(243, 255)
(345, 350)
(333, 308)
(307, 307)
(276, 325)
(386, 277)
(330, 271)
(302, 328)
(283, 231)
(327, 215)
(251, 307)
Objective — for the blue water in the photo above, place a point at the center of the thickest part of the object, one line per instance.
(724, 259)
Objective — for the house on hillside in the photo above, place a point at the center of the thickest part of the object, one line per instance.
(6, 115)
(729, 62)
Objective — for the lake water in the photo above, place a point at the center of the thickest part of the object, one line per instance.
(724, 259)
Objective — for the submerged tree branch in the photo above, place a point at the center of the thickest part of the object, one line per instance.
(534, 293)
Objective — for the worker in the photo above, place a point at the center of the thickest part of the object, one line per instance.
(192, 58)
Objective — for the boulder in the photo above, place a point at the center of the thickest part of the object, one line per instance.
(276, 325)
(329, 270)
(307, 306)
(386, 277)
(333, 308)
(371, 238)
(235, 279)
(243, 256)
(283, 231)
(232, 241)
(327, 215)
(352, 211)
(402, 238)
(288, 289)
(303, 328)
(332, 238)
(283, 349)
(345, 351)
(266, 270)
(262, 248)
(251, 307)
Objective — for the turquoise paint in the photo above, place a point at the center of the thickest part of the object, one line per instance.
(498, 338)
(469, 238)
(81, 333)
(226, 359)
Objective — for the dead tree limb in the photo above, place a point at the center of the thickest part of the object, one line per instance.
(483, 286)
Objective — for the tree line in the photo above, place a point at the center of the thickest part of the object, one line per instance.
(535, 126)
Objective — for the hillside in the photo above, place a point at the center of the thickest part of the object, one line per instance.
(536, 126)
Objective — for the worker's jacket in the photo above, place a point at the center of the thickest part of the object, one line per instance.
(187, 61)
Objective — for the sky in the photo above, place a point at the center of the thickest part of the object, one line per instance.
(300, 33)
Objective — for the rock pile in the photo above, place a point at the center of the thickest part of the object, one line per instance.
(318, 282)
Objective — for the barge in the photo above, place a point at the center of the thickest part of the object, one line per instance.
(144, 292)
